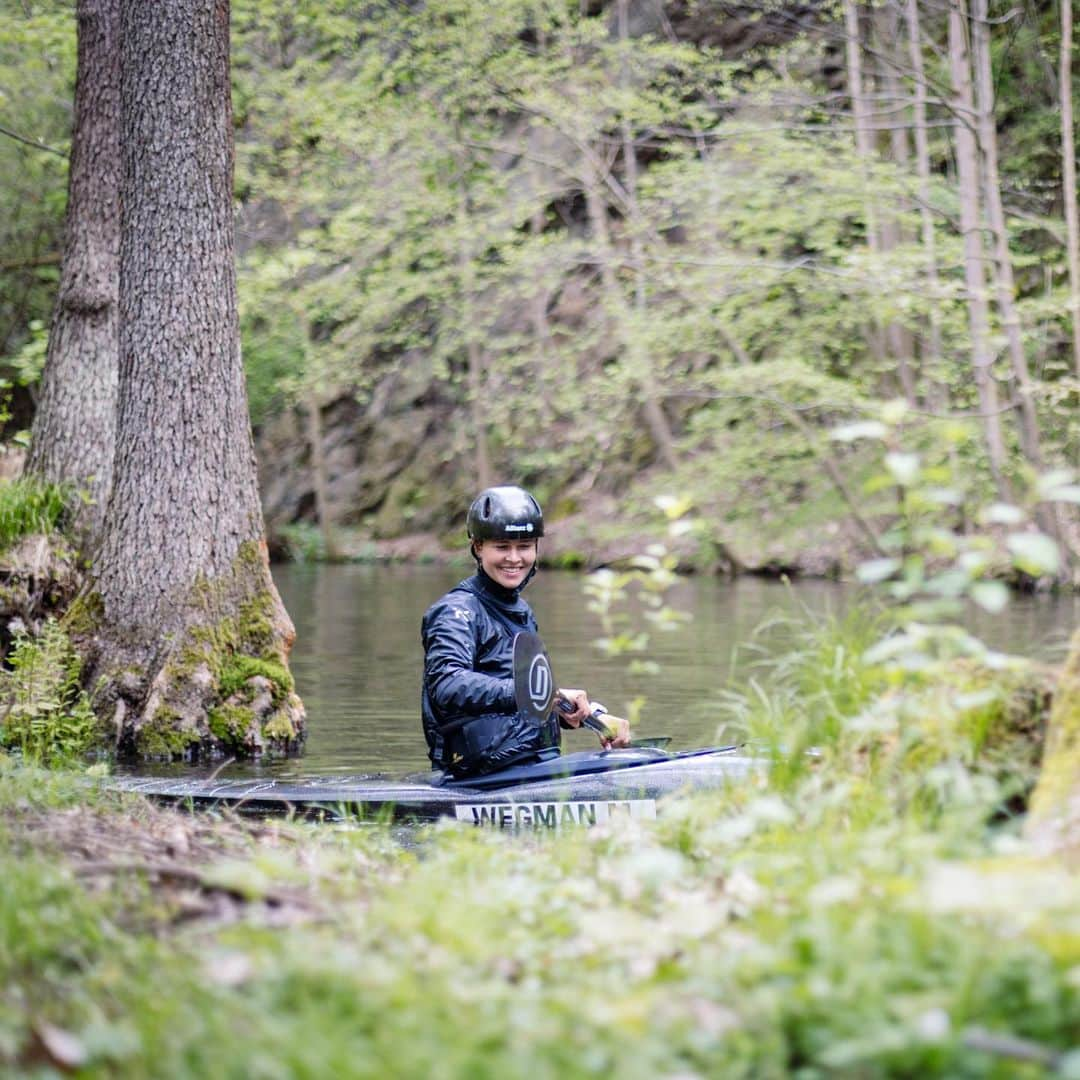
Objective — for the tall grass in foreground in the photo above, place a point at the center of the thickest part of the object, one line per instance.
(821, 712)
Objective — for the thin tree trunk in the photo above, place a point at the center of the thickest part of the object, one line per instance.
(897, 336)
(641, 362)
(967, 167)
(318, 475)
(473, 352)
(185, 635)
(932, 343)
(864, 150)
(542, 297)
(73, 435)
(1003, 277)
(1068, 176)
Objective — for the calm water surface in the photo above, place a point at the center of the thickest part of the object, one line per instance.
(357, 658)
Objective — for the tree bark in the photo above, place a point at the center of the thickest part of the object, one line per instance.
(640, 361)
(1003, 271)
(318, 475)
(931, 354)
(967, 168)
(1068, 177)
(73, 434)
(887, 29)
(864, 150)
(186, 637)
(474, 352)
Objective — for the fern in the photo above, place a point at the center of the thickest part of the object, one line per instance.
(44, 712)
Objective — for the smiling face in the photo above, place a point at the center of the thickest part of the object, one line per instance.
(507, 562)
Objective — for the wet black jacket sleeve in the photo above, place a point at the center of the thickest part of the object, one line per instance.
(468, 662)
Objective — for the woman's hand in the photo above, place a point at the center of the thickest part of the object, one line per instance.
(621, 727)
(580, 700)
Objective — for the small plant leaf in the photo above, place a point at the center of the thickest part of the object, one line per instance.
(875, 570)
(904, 467)
(1034, 553)
(991, 596)
(864, 429)
(1002, 514)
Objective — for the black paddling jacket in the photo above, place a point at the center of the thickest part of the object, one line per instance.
(471, 721)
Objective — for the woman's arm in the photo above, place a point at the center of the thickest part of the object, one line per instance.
(453, 684)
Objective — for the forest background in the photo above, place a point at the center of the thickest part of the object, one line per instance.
(808, 266)
(615, 250)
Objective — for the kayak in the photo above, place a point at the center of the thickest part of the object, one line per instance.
(563, 791)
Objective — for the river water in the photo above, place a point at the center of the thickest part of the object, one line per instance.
(357, 658)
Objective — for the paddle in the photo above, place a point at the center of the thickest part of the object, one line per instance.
(535, 689)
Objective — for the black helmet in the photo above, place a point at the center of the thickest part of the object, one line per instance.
(505, 513)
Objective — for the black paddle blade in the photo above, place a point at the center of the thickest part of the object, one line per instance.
(534, 683)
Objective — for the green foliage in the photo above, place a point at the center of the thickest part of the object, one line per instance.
(436, 207)
(37, 79)
(303, 542)
(816, 928)
(44, 712)
(931, 561)
(632, 602)
(29, 506)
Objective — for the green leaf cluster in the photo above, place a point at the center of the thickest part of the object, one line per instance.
(44, 712)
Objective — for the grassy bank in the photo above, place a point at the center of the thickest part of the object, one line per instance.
(864, 910)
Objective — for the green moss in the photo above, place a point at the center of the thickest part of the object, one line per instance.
(279, 726)
(1061, 764)
(233, 650)
(162, 737)
(85, 615)
(253, 624)
(236, 670)
(229, 724)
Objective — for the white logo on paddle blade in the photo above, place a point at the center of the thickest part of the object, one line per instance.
(540, 683)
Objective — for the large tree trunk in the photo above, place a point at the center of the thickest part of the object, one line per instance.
(967, 168)
(1053, 824)
(186, 638)
(72, 440)
(1068, 177)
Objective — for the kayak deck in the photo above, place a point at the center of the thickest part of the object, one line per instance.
(598, 784)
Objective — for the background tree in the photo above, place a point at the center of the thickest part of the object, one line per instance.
(1068, 175)
(73, 434)
(665, 207)
(186, 635)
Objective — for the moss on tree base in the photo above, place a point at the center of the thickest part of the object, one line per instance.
(1054, 820)
(216, 682)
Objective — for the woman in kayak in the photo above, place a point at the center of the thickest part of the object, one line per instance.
(471, 720)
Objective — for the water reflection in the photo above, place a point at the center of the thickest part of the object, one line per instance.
(357, 658)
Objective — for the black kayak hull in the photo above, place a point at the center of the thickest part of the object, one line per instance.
(574, 789)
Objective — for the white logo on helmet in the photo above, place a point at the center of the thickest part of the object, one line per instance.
(519, 528)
